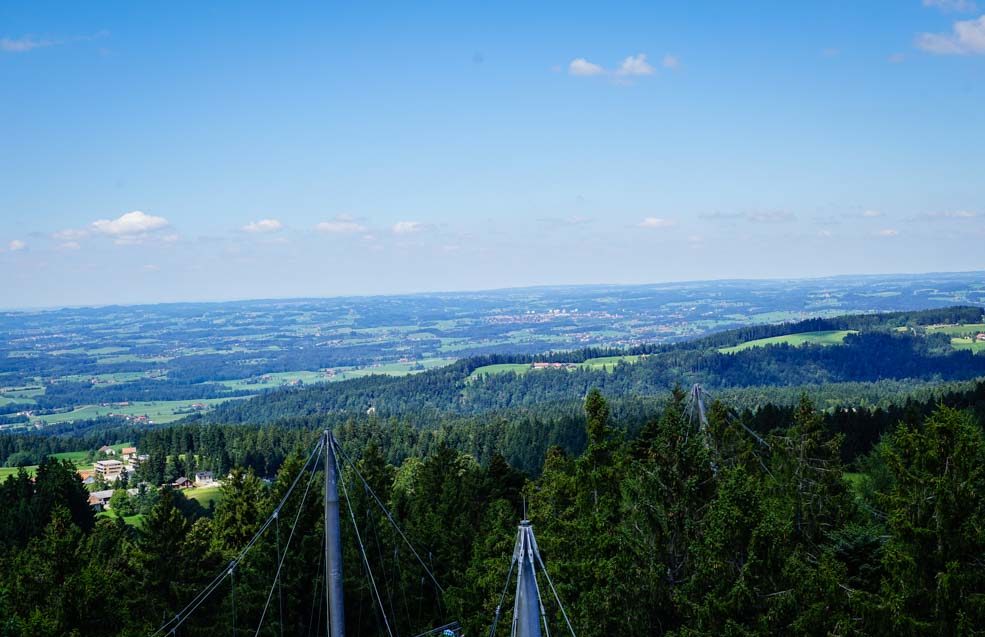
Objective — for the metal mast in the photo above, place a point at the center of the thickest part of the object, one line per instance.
(528, 611)
(333, 544)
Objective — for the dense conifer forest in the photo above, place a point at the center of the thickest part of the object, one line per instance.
(847, 508)
(655, 531)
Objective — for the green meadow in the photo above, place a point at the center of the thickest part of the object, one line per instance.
(204, 495)
(160, 411)
(77, 457)
(962, 336)
(965, 329)
(500, 368)
(604, 363)
(830, 337)
(608, 362)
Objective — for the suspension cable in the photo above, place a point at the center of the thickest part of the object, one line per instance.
(557, 598)
(379, 553)
(232, 593)
(389, 517)
(280, 586)
(502, 598)
(362, 551)
(280, 563)
(317, 588)
(171, 625)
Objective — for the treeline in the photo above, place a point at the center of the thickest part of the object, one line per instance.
(860, 412)
(22, 450)
(523, 436)
(672, 530)
(66, 394)
(865, 357)
(883, 321)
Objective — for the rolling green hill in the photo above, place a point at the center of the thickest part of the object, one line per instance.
(829, 337)
(872, 350)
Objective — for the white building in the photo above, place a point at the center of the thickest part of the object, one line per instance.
(108, 470)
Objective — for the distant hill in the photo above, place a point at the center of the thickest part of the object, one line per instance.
(898, 346)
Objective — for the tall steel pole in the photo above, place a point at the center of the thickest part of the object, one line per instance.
(333, 544)
(527, 608)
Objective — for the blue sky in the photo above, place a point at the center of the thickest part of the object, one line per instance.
(214, 150)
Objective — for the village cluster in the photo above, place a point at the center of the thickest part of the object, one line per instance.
(116, 467)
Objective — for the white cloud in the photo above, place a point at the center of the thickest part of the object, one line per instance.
(670, 61)
(264, 225)
(573, 220)
(888, 233)
(130, 224)
(25, 44)
(341, 224)
(951, 214)
(70, 234)
(656, 222)
(778, 216)
(584, 68)
(407, 227)
(770, 217)
(959, 6)
(871, 214)
(966, 38)
(635, 65)
(16, 245)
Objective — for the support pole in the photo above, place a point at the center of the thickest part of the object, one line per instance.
(527, 610)
(333, 543)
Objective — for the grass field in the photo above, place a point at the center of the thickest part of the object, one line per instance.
(204, 495)
(608, 362)
(132, 520)
(78, 457)
(966, 342)
(109, 379)
(275, 380)
(962, 336)
(604, 363)
(11, 471)
(795, 340)
(160, 411)
(280, 379)
(966, 329)
(501, 368)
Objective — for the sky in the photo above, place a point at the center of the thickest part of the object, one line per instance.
(227, 150)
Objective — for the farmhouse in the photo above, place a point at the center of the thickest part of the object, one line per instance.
(109, 470)
(128, 453)
(203, 478)
(980, 337)
(544, 365)
(100, 499)
(182, 483)
(107, 450)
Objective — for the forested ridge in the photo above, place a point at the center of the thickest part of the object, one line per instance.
(859, 514)
(887, 347)
(658, 531)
